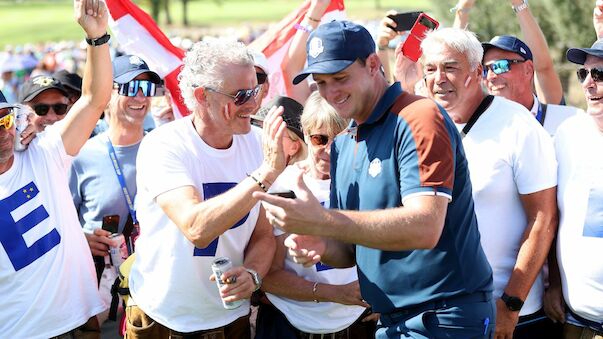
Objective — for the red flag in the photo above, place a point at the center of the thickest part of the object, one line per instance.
(139, 35)
(275, 42)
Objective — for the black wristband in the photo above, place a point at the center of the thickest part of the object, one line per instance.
(99, 41)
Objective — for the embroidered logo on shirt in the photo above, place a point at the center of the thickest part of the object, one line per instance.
(375, 167)
(316, 47)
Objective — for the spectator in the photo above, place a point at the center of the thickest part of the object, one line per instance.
(47, 97)
(513, 173)
(260, 63)
(400, 193)
(47, 278)
(72, 84)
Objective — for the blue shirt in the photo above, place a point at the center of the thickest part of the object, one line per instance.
(409, 146)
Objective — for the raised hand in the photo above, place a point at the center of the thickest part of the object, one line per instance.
(598, 18)
(92, 15)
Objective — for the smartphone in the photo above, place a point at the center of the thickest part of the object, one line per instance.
(284, 194)
(412, 46)
(404, 21)
(110, 223)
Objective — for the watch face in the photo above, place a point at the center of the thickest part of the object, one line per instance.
(513, 303)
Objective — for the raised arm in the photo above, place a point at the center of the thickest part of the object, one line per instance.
(598, 18)
(461, 13)
(92, 15)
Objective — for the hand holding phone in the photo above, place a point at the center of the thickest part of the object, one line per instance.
(404, 21)
(412, 46)
(284, 194)
(110, 223)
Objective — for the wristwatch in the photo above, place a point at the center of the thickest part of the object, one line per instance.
(520, 7)
(257, 280)
(98, 41)
(513, 303)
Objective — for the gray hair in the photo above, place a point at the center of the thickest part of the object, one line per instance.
(460, 40)
(204, 66)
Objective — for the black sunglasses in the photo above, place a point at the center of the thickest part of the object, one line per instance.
(261, 77)
(319, 139)
(148, 88)
(43, 109)
(596, 73)
(242, 95)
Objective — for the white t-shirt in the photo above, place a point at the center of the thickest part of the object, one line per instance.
(170, 277)
(509, 154)
(47, 277)
(580, 197)
(555, 115)
(309, 316)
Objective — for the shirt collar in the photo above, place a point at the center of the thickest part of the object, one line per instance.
(386, 101)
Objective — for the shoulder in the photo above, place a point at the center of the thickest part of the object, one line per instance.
(412, 107)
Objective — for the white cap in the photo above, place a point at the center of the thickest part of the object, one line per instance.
(259, 60)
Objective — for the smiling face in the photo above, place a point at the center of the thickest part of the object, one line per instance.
(593, 91)
(7, 139)
(47, 97)
(514, 84)
(131, 109)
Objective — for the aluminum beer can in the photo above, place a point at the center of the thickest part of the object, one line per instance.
(21, 123)
(118, 253)
(219, 266)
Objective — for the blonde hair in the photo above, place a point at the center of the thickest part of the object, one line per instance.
(319, 114)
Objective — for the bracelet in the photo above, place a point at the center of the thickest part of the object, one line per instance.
(520, 7)
(305, 28)
(261, 184)
(456, 9)
(314, 288)
(312, 19)
(98, 41)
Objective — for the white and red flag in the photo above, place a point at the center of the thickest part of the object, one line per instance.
(139, 35)
(275, 42)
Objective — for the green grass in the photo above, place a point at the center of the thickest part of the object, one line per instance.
(41, 21)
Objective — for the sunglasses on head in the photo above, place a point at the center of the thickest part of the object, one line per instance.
(596, 73)
(43, 109)
(242, 95)
(7, 121)
(148, 88)
(261, 77)
(319, 139)
(500, 66)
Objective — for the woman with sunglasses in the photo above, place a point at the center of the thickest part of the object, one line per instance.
(306, 301)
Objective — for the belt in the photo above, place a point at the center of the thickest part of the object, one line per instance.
(343, 334)
(393, 317)
(593, 325)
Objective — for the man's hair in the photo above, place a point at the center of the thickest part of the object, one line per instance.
(460, 40)
(204, 66)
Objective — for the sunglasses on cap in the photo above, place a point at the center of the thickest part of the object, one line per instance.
(261, 77)
(319, 139)
(148, 88)
(7, 121)
(242, 95)
(43, 109)
(596, 73)
(500, 66)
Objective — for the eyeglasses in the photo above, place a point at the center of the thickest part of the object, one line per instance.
(149, 88)
(319, 139)
(500, 66)
(242, 95)
(596, 73)
(42, 109)
(261, 77)
(7, 121)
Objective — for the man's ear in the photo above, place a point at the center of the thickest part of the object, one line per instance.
(200, 94)
(374, 63)
(529, 68)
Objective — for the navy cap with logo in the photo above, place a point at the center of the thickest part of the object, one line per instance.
(292, 111)
(3, 102)
(69, 80)
(509, 43)
(128, 67)
(334, 46)
(578, 55)
(38, 84)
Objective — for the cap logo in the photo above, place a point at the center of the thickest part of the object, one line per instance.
(43, 81)
(316, 47)
(134, 60)
(522, 50)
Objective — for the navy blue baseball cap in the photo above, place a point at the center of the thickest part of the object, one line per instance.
(509, 43)
(3, 102)
(578, 55)
(334, 46)
(128, 67)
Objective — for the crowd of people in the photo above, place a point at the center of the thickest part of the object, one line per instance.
(453, 197)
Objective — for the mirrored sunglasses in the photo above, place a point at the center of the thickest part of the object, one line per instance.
(242, 95)
(596, 73)
(261, 77)
(43, 109)
(319, 139)
(148, 88)
(7, 121)
(500, 66)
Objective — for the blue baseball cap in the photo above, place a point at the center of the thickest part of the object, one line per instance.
(578, 55)
(128, 67)
(334, 46)
(3, 102)
(509, 43)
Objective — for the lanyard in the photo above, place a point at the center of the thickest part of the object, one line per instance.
(478, 112)
(541, 115)
(122, 181)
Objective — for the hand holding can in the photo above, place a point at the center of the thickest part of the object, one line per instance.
(219, 266)
(22, 113)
